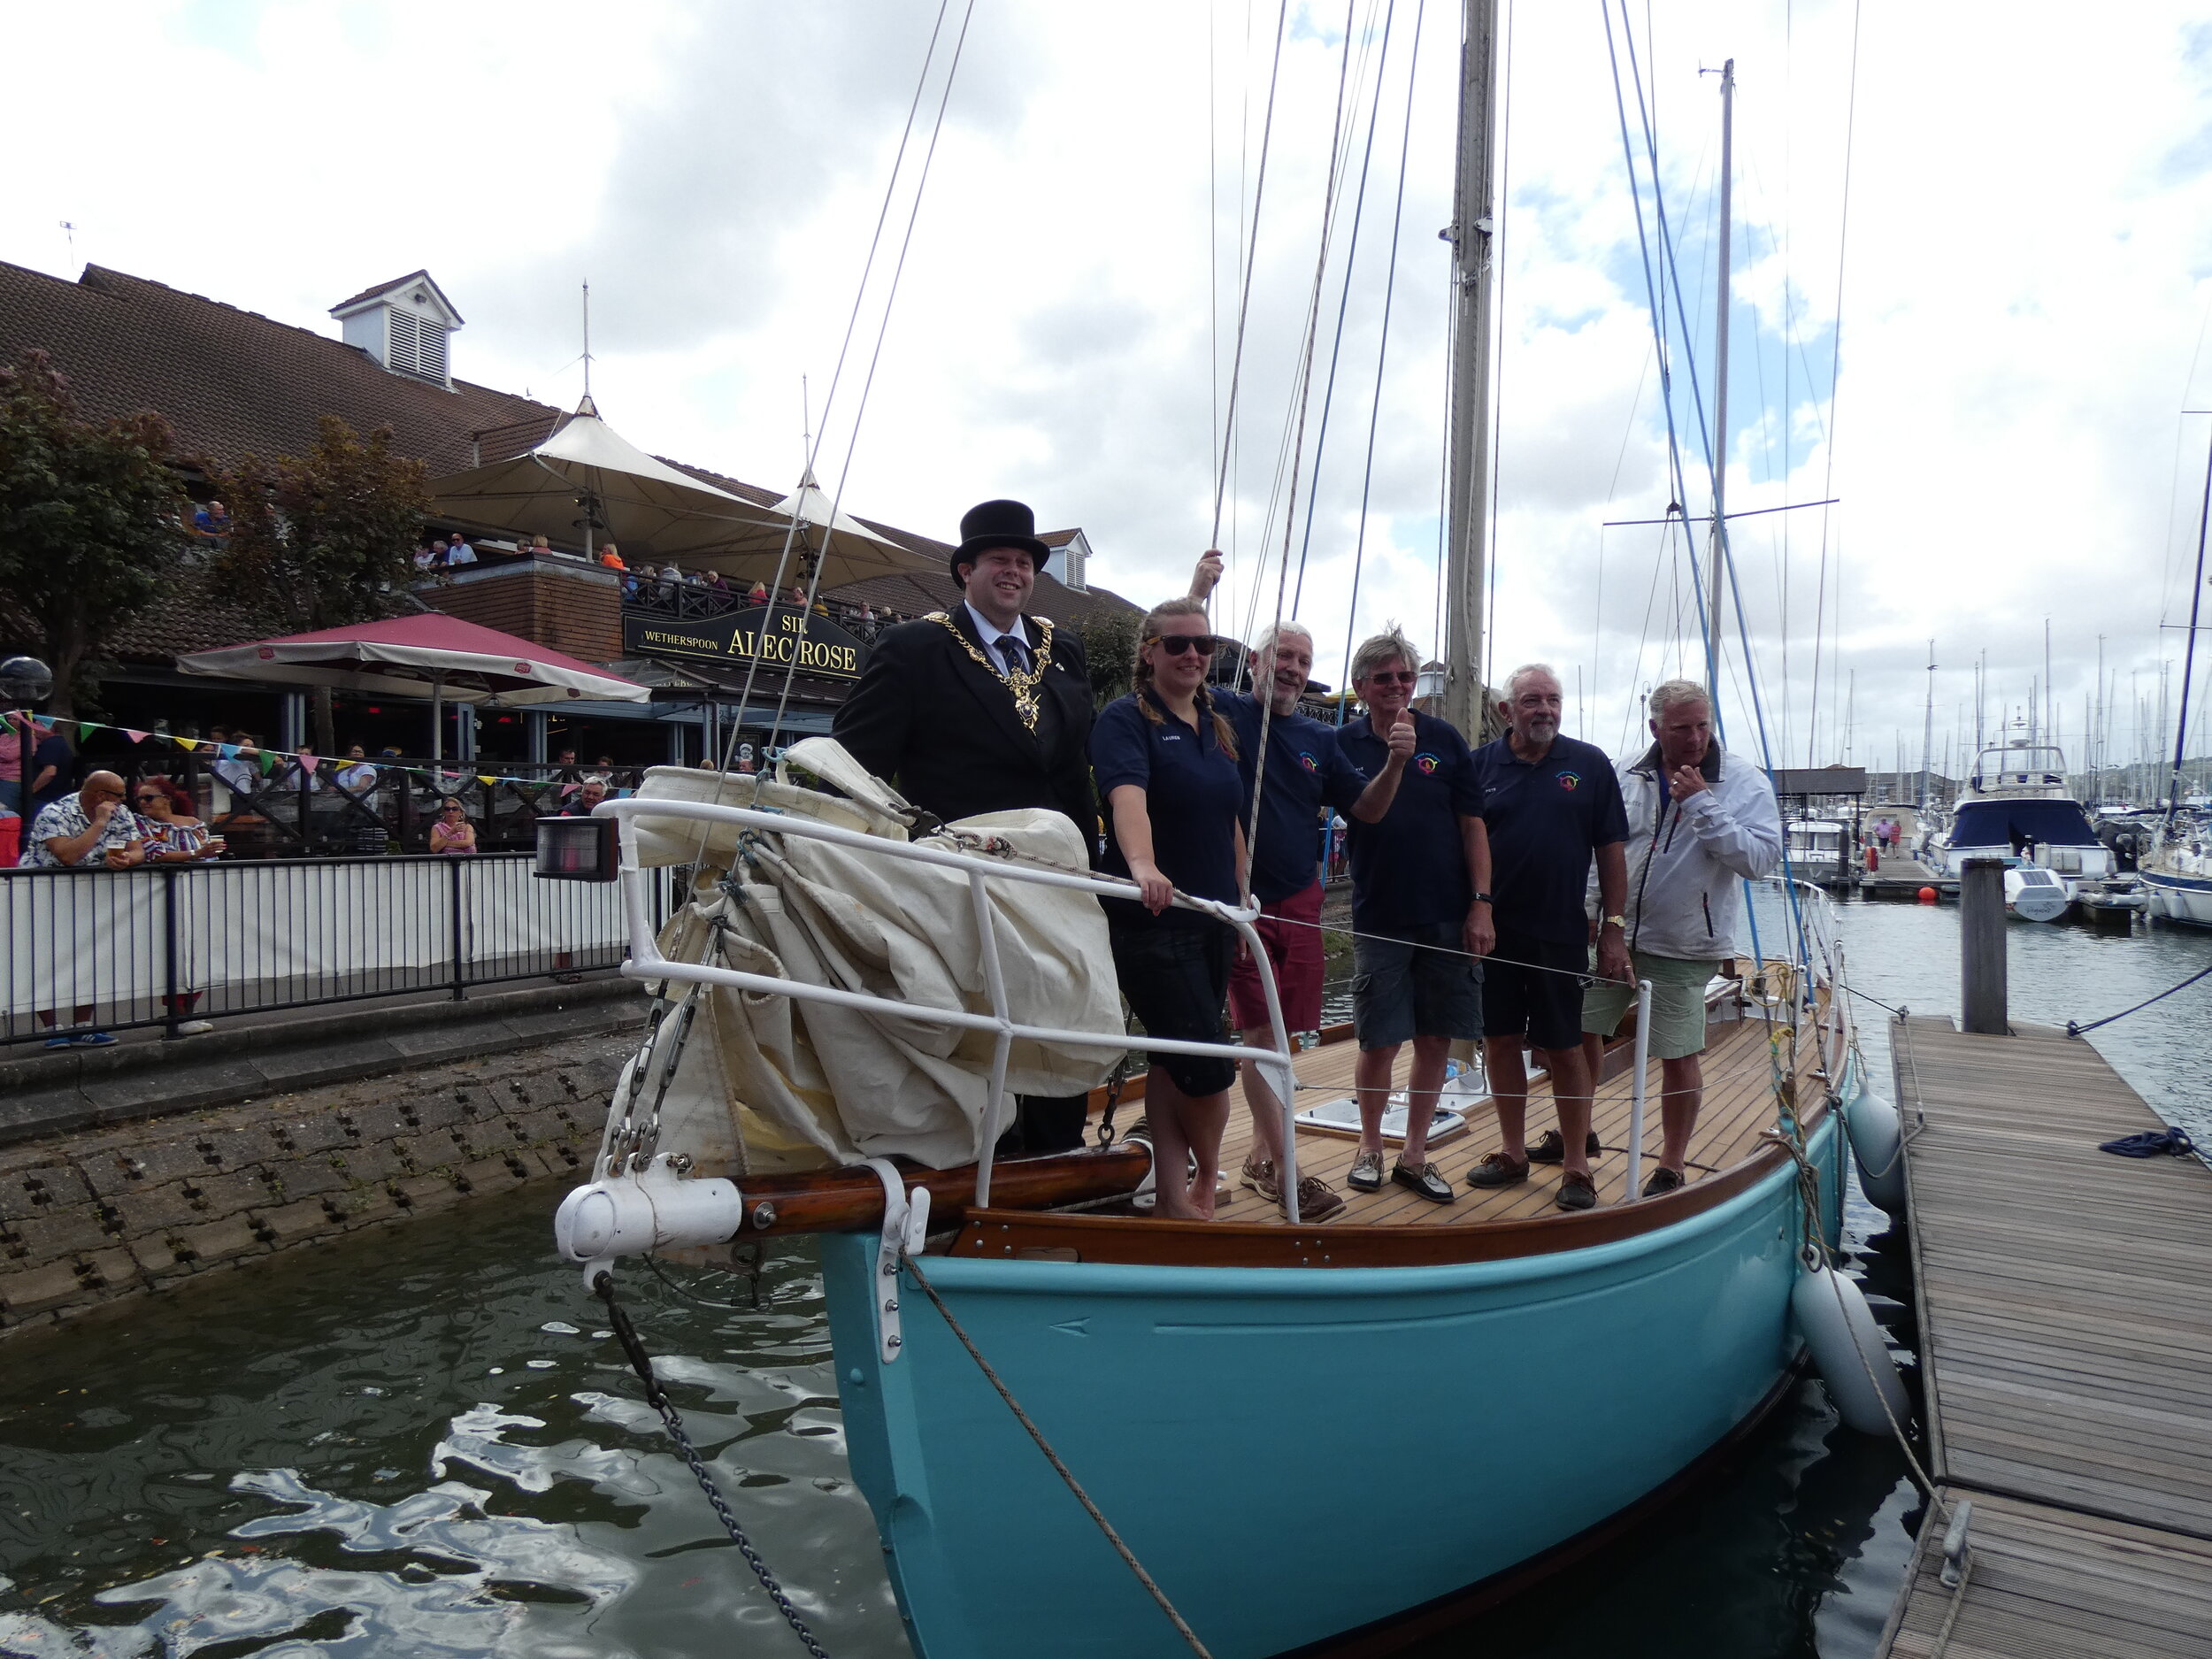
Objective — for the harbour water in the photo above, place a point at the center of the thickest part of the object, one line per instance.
(424, 1442)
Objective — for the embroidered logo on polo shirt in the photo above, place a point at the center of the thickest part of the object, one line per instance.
(1307, 761)
(1426, 764)
(1171, 737)
(1570, 781)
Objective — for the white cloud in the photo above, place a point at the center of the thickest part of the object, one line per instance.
(2026, 276)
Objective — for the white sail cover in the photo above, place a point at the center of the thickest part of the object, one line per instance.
(798, 1084)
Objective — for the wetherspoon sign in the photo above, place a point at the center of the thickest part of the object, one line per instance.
(813, 643)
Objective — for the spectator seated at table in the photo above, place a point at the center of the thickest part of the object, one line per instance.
(632, 590)
(89, 829)
(424, 558)
(356, 776)
(451, 832)
(458, 552)
(211, 521)
(539, 547)
(757, 594)
(174, 836)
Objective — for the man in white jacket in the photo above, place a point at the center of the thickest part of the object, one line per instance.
(1701, 818)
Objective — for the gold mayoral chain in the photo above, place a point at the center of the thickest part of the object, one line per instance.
(1022, 682)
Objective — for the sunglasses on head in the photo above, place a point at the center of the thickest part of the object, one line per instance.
(1179, 644)
(1402, 677)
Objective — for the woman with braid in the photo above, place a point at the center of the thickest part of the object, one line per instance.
(1165, 762)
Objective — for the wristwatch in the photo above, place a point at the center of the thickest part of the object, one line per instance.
(1620, 922)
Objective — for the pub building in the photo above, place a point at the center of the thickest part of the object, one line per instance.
(231, 383)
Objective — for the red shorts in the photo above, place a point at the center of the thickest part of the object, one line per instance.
(1293, 947)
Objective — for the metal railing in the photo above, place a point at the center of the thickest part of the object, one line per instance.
(118, 949)
(647, 962)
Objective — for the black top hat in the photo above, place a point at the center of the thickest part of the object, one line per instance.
(997, 524)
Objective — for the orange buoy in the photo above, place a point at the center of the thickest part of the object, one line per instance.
(1927, 895)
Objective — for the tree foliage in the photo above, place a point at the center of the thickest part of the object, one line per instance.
(89, 519)
(1110, 642)
(326, 537)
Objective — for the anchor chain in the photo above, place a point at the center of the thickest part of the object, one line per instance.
(656, 1396)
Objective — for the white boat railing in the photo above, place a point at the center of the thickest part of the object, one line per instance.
(647, 962)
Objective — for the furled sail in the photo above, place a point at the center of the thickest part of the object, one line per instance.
(766, 1082)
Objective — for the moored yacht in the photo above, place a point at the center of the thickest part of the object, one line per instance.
(2015, 807)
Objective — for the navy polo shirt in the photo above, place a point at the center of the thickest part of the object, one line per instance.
(1545, 818)
(1410, 870)
(1192, 791)
(1305, 770)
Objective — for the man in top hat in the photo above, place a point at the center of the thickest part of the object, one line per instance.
(980, 709)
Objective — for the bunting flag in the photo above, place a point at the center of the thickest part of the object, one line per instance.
(441, 777)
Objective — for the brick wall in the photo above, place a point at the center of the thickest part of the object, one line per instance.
(91, 1217)
(572, 608)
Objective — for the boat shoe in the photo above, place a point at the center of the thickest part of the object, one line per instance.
(1577, 1191)
(1552, 1149)
(1423, 1181)
(1662, 1181)
(1497, 1170)
(1366, 1176)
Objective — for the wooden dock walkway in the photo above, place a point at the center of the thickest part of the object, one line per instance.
(2065, 1303)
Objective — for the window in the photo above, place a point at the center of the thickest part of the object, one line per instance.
(417, 346)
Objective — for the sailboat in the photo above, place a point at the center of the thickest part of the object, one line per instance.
(1265, 1436)
(2177, 876)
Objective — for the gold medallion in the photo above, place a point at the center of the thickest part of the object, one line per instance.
(1024, 684)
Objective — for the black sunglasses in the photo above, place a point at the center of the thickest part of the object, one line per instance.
(1179, 644)
(1394, 680)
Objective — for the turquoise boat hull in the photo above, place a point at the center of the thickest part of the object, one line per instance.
(1295, 1453)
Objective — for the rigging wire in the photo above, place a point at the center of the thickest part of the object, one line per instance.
(867, 269)
(1344, 300)
(875, 357)
(1497, 424)
(1250, 257)
(1382, 351)
(1305, 399)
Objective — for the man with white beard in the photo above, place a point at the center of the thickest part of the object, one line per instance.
(1305, 771)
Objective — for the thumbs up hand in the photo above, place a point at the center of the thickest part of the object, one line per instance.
(1400, 739)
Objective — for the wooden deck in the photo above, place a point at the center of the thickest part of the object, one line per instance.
(2065, 1300)
(1739, 1103)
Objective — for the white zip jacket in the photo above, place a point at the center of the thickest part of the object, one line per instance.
(1685, 862)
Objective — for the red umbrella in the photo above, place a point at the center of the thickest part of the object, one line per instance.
(448, 656)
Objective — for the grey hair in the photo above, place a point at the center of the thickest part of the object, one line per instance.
(1513, 681)
(1269, 635)
(1667, 693)
(1390, 646)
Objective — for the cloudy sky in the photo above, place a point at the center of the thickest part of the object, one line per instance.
(1985, 359)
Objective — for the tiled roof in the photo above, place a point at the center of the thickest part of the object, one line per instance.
(232, 382)
(398, 282)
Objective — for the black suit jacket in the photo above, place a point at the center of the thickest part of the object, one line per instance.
(943, 727)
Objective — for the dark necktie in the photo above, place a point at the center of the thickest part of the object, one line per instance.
(1011, 648)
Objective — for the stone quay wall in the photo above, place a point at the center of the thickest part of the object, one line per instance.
(97, 1215)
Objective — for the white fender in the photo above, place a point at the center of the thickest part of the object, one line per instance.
(1877, 1146)
(1846, 1343)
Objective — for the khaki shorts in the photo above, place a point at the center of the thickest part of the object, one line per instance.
(1678, 1003)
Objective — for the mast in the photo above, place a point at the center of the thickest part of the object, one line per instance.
(1927, 729)
(1472, 225)
(1715, 572)
(2189, 651)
